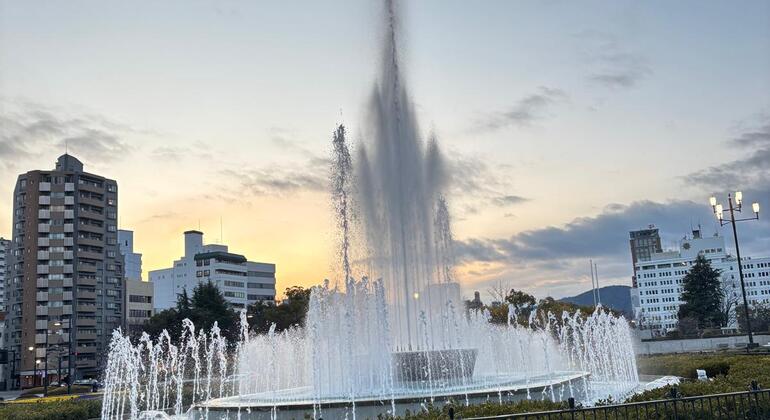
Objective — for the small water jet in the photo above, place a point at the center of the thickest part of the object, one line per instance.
(394, 335)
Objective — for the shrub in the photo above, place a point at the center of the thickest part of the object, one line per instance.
(72, 409)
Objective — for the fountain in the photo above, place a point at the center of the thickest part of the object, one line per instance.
(393, 334)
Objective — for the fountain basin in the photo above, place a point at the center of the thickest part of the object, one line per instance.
(298, 403)
(434, 365)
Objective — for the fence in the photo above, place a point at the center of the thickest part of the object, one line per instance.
(749, 405)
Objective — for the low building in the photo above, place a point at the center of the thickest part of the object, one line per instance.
(659, 280)
(242, 282)
(139, 304)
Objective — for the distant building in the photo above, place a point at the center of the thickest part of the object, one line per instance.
(644, 243)
(139, 304)
(64, 287)
(241, 281)
(139, 294)
(659, 280)
(5, 251)
(132, 261)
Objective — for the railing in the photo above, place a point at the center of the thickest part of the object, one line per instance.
(749, 405)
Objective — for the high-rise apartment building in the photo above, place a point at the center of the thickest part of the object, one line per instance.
(5, 250)
(65, 283)
(242, 282)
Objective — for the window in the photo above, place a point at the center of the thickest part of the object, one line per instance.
(235, 294)
(140, 299)
(230, 283)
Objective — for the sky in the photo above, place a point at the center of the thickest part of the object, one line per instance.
(565, 124)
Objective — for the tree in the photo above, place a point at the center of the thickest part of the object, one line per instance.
(760, 317)
(702, 295)
(206, 306)
(729, 303)
(291, 312)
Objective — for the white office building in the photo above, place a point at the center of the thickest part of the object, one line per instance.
(242, 282)
(659, 280)
(132, 261)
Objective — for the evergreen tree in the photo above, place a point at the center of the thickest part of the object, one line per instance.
(702, 295)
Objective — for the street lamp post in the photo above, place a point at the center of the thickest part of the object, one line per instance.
(736, 205)
(34, 368)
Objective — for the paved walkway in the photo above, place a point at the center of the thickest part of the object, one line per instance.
(10, 395)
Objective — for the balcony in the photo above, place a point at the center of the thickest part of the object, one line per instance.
(90, 255)
(84, 336)
(90, 228)
(41, 296)
(69, 200)
(44, 200)
(92, 201)
(67, 255)
(67, 269)
(44, 187)
(42, 282)
(43, 227)
(41, 310)
(66, 296)
(66, 310)
(85, 281)
(85, 364)
(86, 268)
(91, 241)
(43, 214)
(69, 228)
(42, 269)
(92, 215)
(86, 308)
(69, 214)
(41, 324)
(69, 186)
(42, 241)
(86, 295)
(68, 241)
(85, 349)
(86, 322)
(39, 338)
(42, 255)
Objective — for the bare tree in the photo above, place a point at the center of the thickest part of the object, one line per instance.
(729, 303)
(499, 290)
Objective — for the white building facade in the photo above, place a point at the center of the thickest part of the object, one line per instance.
(242, 282)
(132, 261)
(659, 280)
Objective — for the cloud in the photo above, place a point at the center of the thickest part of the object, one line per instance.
(29, 128)
(509, 200)
(612, 64)
(554, 259)
(749, 173)
(285, 179)
(525, 111)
